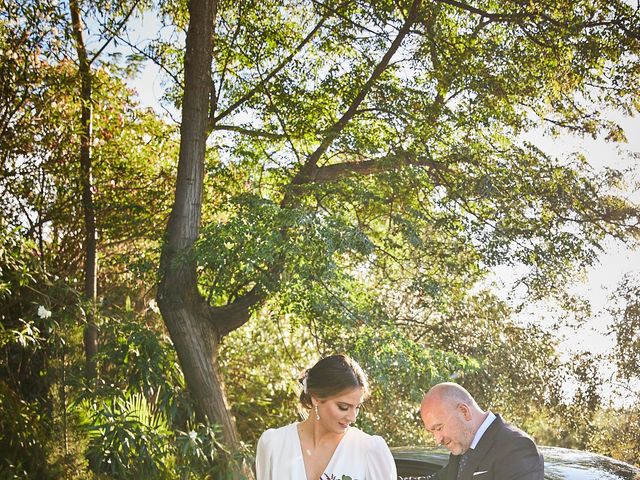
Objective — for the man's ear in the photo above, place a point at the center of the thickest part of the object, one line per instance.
(464, 409)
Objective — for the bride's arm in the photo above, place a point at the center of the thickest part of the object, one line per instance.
(380, 464)
(264, 456)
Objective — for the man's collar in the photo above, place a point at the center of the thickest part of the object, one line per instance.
(483, 428)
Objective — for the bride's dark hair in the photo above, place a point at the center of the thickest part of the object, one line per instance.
(330, 376)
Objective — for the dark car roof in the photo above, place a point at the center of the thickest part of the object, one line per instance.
(560, 463)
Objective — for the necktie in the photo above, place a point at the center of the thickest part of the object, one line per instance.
(463, 462)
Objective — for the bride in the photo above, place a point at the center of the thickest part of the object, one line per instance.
(325, 446)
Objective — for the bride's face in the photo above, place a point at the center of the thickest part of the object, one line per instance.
(338, 412)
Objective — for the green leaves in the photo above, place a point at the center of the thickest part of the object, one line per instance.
(237, 253)
(464, 85)
(127, 438)
(626, 329)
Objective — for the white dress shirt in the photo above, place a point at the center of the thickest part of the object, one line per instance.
(483, 428)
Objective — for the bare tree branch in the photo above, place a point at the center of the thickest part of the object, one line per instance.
(115, 33)
(498, 17)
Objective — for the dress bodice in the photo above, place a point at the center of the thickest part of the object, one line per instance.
(359, 456)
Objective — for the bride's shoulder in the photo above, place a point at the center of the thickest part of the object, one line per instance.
(359, 435)
(276, 434)
(372, 441)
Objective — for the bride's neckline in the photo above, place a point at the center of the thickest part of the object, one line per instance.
(304, 455)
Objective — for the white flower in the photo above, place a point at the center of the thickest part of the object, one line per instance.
(43, 312)
(192, 436)
(153, 306)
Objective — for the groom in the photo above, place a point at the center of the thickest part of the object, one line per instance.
(482, 445)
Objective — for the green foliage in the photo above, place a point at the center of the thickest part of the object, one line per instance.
(255, 233)
(401, 370)
(23, 438)
(128, 439)
(518, 370)
(618, 433)
(382, 263)
(25, 346)
(626, 328)
(139, 421)
(198, 452)
(138, 357)
(456, 107)
(261, 363)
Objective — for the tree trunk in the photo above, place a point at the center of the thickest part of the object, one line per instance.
(186, 313)
(196, 342)
(86, 181)
(194, 326)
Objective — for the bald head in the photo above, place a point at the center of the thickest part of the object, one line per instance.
(451, 414)
(448, 393)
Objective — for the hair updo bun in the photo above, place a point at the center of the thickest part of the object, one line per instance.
(331, 376)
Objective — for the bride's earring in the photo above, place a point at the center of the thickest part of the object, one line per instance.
(317, 414)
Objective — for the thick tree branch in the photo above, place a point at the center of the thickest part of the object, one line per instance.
(308, 171)
(249, 132)
(228, 318)
(337, 171)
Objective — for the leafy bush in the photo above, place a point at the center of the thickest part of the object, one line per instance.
(128, 438)
(23, 438)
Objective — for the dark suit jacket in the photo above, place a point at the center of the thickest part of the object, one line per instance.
(503, 453)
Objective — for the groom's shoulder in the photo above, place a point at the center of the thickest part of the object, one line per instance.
(511, 434)
(509, 428)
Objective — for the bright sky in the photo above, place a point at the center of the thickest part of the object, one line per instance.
(617, 260)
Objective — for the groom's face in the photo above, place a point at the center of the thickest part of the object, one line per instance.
(450, 426)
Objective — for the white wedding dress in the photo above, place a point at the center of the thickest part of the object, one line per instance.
(359, 455)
